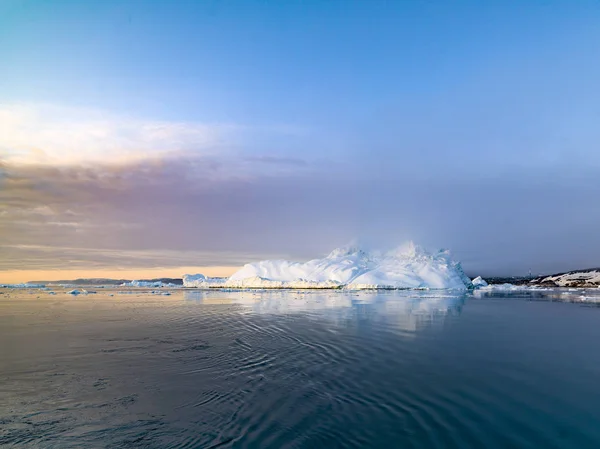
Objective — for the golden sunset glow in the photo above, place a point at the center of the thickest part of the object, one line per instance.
(18, 276)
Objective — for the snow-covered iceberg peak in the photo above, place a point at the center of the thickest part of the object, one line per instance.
(347, 251)
(408, 266)
(408, 250)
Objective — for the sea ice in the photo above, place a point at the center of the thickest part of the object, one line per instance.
(77, 292)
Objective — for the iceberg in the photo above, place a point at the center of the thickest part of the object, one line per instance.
(25, 285)
(147, 284)
(260, 282)
(407, 267)
(201, 281)
(77, 292)
(479, 282)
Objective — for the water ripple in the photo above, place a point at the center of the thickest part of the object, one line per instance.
(311, 369)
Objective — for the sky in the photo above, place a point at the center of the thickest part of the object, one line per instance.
(145, 138)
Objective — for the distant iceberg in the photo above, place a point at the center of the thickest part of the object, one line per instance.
(26, 285)
(147, 284)
(407, 267)
(201, 281)
(479, 282)
(77, 292)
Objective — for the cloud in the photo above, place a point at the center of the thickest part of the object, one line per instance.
(195, 196)
(46, 134)
(274, 160)
(42, 257)
(200, 211)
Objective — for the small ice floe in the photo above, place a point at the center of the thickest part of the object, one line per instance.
(479, 282)
(77, 292)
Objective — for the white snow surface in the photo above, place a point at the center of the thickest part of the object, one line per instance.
(591, 277)
(407, 267)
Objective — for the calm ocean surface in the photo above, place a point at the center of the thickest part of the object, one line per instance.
(283, 369)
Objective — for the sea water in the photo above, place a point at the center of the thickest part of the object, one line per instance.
(393, 369)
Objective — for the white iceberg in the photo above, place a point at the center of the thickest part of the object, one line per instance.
(77, 292)
(201, 281)
(147, 284)
(260, 282)
(408, 267)
(26, 285)
(479, 282)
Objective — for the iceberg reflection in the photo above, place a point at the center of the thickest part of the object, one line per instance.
(406, 311)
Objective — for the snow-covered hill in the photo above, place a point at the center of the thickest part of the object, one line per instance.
(353, 268)
(580, 278)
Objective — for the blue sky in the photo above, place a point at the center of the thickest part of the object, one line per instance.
(473, 125)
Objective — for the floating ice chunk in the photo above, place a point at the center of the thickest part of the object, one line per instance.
(147, 284)
(479, 282)
(22, 285)
(201, 281)
(194, 278)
